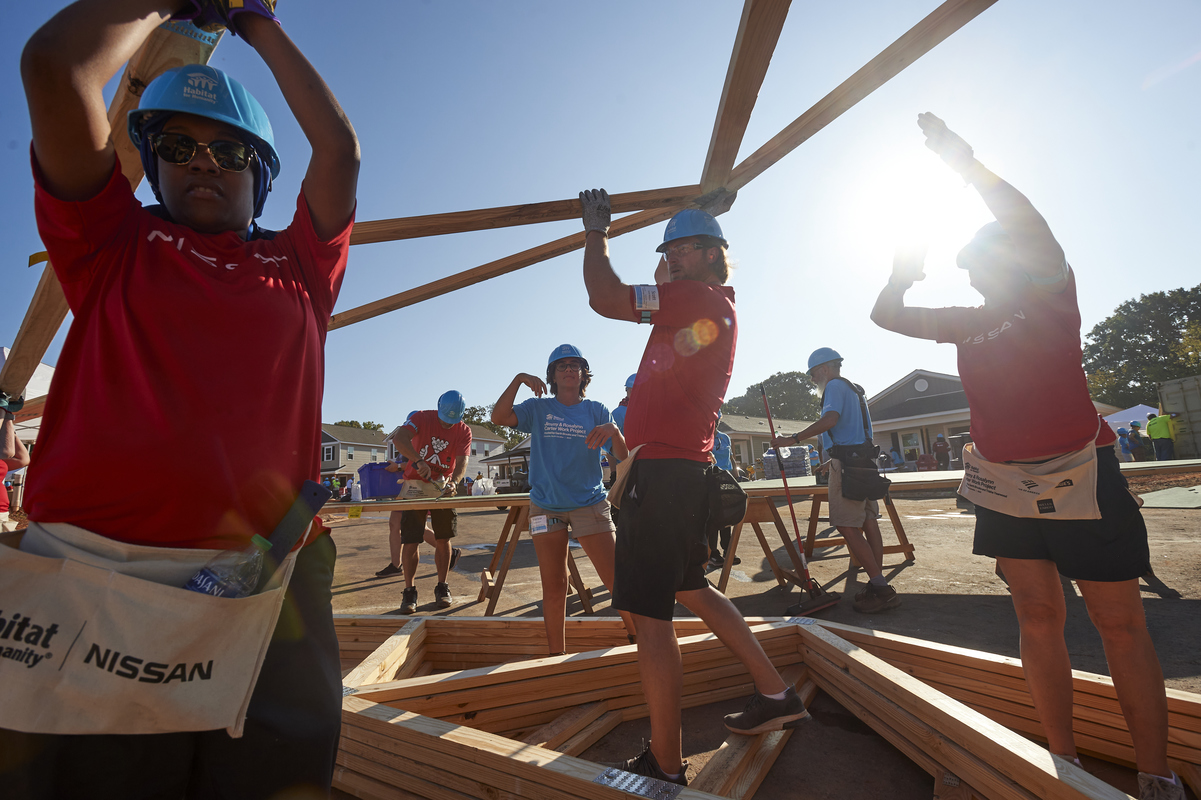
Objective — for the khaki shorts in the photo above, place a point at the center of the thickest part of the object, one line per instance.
(848, 513)
(584, 521)
(6, 525)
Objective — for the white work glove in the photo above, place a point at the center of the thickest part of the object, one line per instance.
(907, 264)
(949, 145)
(596, 210)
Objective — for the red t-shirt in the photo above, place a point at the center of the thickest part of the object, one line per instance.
(684, 372)
(441, 448)
(1022, 373)
(197, 360)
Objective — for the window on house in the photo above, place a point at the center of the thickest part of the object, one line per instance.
(327, 452)
(766, 446)
(349, 453)
(374, 454)
(473, 449)
(485, 450)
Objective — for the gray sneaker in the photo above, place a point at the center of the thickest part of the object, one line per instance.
(442, 596)
(1151, 787)
(762, 714)
(645, 764)
(408, 603)
(876, 599)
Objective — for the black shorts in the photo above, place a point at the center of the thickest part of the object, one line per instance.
(661, 545)
(412, 525)
(1113, 548)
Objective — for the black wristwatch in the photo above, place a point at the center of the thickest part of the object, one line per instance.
(796, 438)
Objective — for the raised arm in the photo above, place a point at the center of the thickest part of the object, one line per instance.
(20, 457)
(8, 435)
(64, 67)
(607, 295)
(890, 311)
(827, 421)
(1041, 255)
(502, 412)
(333, 174)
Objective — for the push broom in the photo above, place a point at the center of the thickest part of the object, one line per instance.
(818, 598)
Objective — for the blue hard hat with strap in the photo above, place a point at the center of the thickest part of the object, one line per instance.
(566, 351)
(630, 381)
(821, 355)
(451, 407)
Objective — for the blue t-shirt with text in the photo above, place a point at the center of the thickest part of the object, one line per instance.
(564, 473)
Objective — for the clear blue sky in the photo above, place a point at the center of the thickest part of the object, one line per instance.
(1090, 108)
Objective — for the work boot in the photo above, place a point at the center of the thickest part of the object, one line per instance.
(455, 552)
(877, 599)
(408, 603)
(442, 596)
(762, 714)
(1153, 787)
(645, 764)
(388, 571)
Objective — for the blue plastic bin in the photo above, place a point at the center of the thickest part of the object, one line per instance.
(377, 482)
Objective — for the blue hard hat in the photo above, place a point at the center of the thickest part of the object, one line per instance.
(566, 351)
(206, 92)
(630, 381)
(986, 249)
(1123, 432)
(691, 222)
(821, 355)
(451, 407)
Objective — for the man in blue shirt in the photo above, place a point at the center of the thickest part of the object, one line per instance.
(843, 418)
(721, 457)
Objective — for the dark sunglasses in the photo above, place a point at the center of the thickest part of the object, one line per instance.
(179, 148)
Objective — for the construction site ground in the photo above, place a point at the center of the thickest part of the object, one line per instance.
(950, 596)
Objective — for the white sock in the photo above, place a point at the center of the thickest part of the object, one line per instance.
(878, 580)
(777, 695)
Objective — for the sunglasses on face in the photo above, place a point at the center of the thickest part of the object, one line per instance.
(681, 250)
(179, 148)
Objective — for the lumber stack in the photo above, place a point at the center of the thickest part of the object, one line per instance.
(515, 726)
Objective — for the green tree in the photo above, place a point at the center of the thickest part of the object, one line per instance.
(1152, 338)
(482, 415)
(792, 395)
(365, 426)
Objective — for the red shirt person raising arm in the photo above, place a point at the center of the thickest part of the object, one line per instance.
(1018, 354)
(173, 306)
(661, 548)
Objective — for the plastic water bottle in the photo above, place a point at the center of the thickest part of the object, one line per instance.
(233, 573)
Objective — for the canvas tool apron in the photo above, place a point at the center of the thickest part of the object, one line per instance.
(623, 475)
(1065, 487)
(96, 636)
(417, 489)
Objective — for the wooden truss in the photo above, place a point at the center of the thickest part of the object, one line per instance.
(505, 721)
(758, 33)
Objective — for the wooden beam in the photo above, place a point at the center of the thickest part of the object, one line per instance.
(32, 408)
(920, 39)
(388, 230)
(494, 269)
(758, 33)
(959, 727)
(382, 664)
(42, 320)
(171, 45)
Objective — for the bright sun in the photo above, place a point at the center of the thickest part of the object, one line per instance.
(908, 197)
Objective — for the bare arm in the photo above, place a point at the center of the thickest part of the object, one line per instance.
(333, 173)
(827, 421)
(1042, 257)
(502, 412)
(20, 459)
(8, 435)
(607, 295)
(64, 68)
(404, 444)
(604, 433)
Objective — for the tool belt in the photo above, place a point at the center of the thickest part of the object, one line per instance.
(1064, 487)
(623, 475)
(860, 474)
(96, 636)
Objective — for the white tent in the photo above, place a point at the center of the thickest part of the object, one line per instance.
(1122, 418)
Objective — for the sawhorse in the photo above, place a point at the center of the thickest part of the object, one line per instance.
(492, 580)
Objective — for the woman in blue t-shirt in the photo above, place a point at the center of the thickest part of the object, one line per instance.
(566, 481)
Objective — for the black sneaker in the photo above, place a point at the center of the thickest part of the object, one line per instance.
(762, 714)
(408, 604)
(716, 562)
(455, 552)
(389, 571)
(876, 599)
(645, 764)
(442, 596)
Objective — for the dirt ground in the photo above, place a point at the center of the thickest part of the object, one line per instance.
(949, 596)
